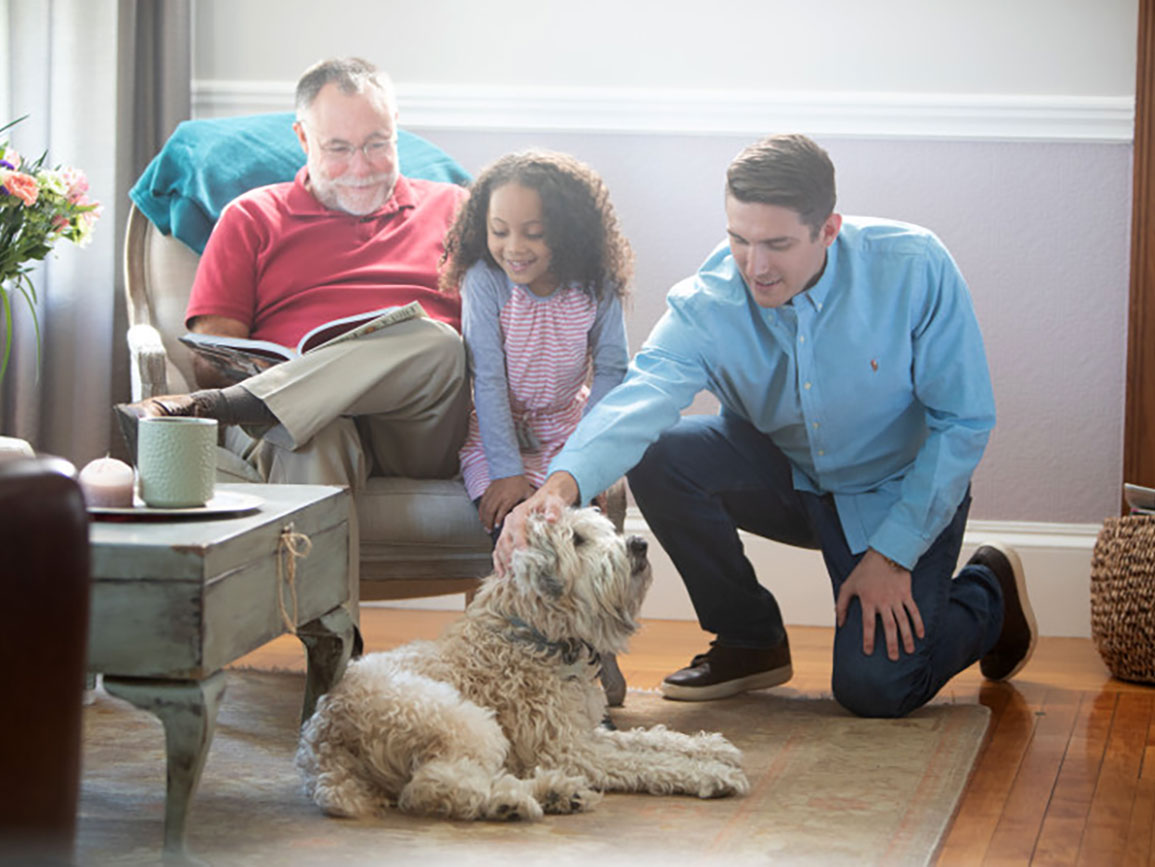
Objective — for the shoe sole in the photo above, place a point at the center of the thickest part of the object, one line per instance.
(1024, 602)
(761, 680)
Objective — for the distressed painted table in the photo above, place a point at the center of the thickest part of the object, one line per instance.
(175, 601)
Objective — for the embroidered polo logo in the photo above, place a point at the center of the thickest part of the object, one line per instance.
(874, 364)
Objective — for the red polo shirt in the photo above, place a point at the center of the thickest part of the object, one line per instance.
(284, 263)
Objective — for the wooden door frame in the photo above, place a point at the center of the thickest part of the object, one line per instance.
(1139, 415)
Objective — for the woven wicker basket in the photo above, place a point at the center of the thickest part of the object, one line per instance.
(1123, 596)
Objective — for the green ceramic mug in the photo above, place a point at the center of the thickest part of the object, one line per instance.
(176, 461)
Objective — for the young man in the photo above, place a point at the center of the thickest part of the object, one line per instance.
(856, 403)
(348, 235)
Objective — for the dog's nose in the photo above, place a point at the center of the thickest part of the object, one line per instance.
(638, 546)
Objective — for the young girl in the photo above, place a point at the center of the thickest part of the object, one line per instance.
(542, 268)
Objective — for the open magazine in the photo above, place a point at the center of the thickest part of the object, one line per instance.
(241, 357)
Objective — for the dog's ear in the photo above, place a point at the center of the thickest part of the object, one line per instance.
(539, 572)
(549, 585)
(538, 561)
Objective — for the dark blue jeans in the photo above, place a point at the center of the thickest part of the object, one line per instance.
(710, 476)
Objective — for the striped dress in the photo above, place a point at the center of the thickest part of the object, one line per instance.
(547, 360)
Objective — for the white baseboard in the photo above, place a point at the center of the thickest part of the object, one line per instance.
(1056, 558)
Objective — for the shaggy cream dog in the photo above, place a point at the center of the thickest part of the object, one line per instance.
(500, 718)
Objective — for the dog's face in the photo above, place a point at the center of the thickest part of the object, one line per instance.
(577, 578)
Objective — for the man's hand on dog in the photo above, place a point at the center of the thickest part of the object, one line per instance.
(559, 491)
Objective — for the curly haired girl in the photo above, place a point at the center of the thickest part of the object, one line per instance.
(543, 268)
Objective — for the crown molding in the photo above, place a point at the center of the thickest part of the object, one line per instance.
(649, 111)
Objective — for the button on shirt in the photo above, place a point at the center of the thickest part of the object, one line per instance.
(873, 383)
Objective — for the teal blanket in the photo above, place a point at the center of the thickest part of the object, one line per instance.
(206, 164)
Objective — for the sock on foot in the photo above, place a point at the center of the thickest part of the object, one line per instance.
(232, 405)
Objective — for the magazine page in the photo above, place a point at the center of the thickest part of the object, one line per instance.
(358, 325)
(237, 357)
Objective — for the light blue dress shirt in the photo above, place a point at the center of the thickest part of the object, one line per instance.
(873, 383)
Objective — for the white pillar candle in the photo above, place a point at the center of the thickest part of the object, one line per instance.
(107, 482)
(12, 448)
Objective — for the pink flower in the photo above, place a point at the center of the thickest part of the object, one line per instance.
(23, 186)
(77, 185)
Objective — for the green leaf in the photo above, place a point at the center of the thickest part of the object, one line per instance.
(9, 125)
(7, 331)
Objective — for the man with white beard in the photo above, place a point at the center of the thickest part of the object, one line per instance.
(348, 235)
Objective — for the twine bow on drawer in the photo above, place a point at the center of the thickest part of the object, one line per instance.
(292, 547)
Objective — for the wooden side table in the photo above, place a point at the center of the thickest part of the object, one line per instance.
(175, 601)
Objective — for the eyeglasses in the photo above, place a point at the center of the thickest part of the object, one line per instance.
(340, 153)
(374, 151)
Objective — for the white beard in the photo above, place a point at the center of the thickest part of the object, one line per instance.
(352, 196)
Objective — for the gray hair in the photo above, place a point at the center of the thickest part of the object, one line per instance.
(350, 74)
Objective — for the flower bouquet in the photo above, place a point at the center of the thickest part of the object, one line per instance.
(38, 207)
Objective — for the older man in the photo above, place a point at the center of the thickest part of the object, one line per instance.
(856, 404)
(349, 234)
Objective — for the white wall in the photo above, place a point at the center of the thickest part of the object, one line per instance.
(1064, 47)
(1056, 559)
(1039, 230)
(1005, 127)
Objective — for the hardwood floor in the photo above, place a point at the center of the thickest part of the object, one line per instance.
(1067, 775)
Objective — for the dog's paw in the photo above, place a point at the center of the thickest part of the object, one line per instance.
(513, 809)
(511, 800)
(513, 812)
(559, 793)
(573, 799)
(722, 780)
(348, 798)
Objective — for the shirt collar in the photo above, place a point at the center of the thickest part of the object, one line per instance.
(305, 203)
(816, 295)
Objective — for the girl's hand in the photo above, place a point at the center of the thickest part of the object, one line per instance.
(500, 497)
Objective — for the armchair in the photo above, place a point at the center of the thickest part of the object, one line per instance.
(45, 574)
(417, 537)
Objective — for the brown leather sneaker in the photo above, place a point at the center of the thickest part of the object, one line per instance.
(1020, 633)
(725, 671)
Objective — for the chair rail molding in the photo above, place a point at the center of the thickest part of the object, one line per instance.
(719, 112)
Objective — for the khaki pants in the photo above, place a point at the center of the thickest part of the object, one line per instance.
(394, 403)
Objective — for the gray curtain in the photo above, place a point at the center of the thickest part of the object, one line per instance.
(104, 83)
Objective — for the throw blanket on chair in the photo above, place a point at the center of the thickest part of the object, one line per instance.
(206, 164)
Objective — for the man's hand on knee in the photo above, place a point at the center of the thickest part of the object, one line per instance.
(883, 590)
(550, 500)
